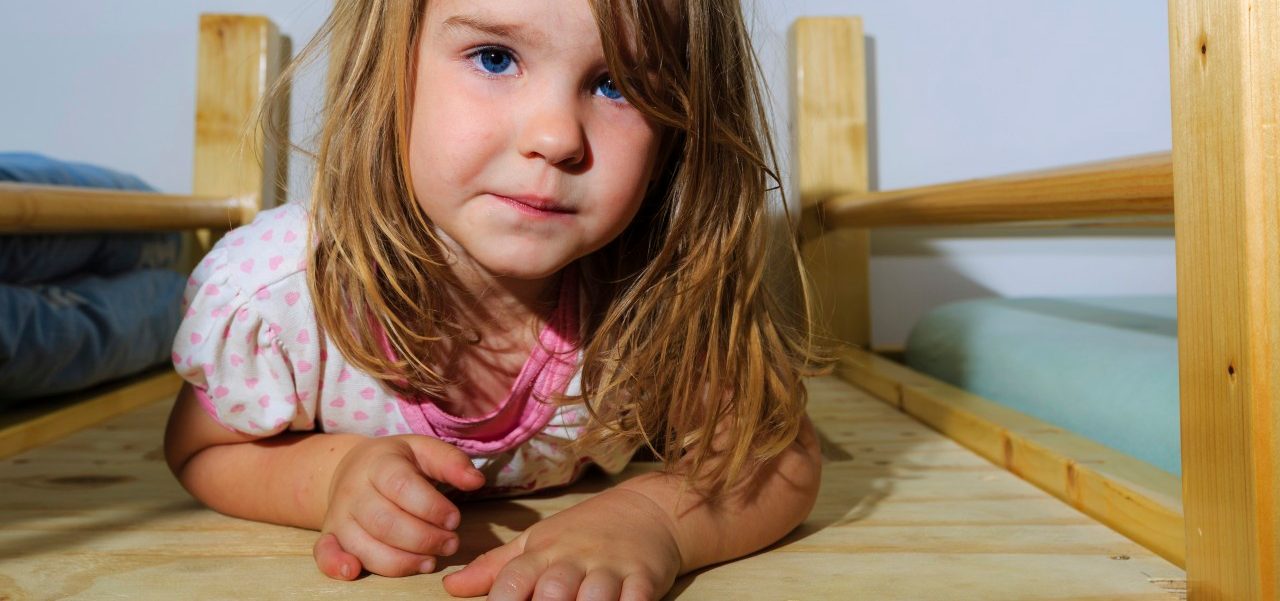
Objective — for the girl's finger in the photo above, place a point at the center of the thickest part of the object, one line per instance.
(410, 491)
(333, 561)
(559, 582)
(516, 580)
(600, 585)
(637, 588)
(444, 462)
(381, 558)
(477, 577)
(387, 523)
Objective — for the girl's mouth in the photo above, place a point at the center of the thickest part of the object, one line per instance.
(536, 206)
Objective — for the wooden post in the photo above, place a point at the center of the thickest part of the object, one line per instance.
(1225, 68)
(829, 133)
(240, 58)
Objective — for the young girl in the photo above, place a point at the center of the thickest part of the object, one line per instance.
(536, 241)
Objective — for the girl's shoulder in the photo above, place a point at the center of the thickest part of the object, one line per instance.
(256, 256)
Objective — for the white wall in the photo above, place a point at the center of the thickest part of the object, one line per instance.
(114, 82)
(959, 90)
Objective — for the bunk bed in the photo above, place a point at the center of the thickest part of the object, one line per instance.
(1219, 185)
(904, 511)
(238, 58)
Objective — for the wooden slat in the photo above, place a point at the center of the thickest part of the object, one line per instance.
(1136, 499)
(1122, 189)
(48, 420)
(1225, 65)
(240, 58)
(38, 208)
(903, 514)
(829, 132)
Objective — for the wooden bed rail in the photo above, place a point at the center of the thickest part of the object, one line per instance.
(1224, 175)
(38, 208)
(1120, 190)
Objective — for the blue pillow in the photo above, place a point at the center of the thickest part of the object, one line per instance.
(84, 331)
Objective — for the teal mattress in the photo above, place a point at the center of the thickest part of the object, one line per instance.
(1104, 368)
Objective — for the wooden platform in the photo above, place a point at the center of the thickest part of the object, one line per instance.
(904, 514)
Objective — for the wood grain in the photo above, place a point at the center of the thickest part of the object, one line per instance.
(829, 131)
(1120, 189)
(904, 513)
(1225, 66)
(39, 208)
(50, 419)
(240, 58)
(1136, 499)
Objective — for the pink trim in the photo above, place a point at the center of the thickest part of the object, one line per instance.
(211, 409)
(526, 409)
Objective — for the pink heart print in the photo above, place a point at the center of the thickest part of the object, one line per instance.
(275, 262)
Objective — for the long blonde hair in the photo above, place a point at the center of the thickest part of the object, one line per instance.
(684, 343)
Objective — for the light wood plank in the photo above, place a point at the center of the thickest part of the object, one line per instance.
(45, 420)
(829, 132)
(1138, 500)
(1225, 66)
(903, 513)
(1123, 189)
(38, 208)
(240, 58)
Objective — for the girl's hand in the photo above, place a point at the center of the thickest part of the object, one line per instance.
(616, 545)
(385, 514)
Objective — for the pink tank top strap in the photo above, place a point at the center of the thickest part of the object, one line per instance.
(528, 405)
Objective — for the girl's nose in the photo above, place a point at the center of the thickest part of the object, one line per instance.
(553, 132)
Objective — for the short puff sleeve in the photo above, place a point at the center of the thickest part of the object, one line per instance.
(239, 345)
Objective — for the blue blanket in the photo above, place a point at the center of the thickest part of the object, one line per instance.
(80, 309)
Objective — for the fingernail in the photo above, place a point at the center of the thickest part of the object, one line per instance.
(451, 547)
(451, 522)
(345, 570)
(426, 566)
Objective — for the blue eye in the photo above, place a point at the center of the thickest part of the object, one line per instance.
(493, 60)
(609, 89)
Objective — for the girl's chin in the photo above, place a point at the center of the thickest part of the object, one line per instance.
(529, 270)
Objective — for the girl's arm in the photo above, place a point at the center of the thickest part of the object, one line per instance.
(631, 541)
(762, 509)
(282, 479)
(373, 499)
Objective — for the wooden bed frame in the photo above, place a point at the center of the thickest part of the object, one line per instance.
(239, 57)
(1220, 183)
(903, 512)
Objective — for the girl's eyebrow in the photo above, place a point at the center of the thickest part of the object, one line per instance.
(512, 32)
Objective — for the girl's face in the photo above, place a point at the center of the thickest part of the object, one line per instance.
(522, 152)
